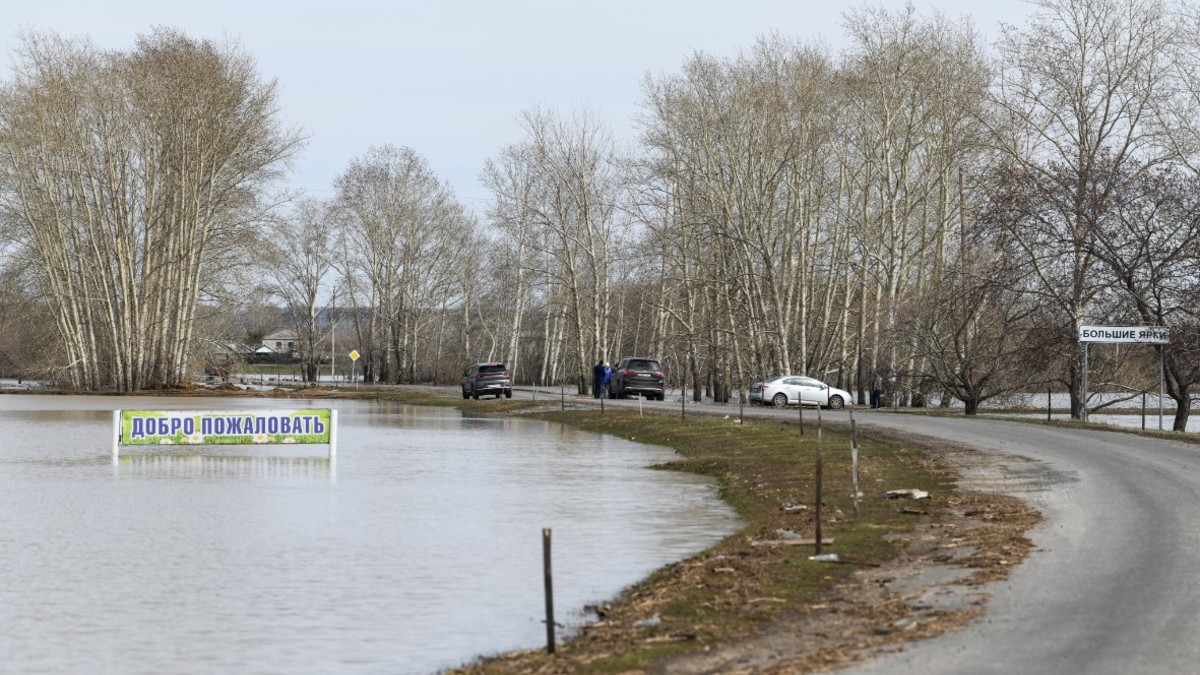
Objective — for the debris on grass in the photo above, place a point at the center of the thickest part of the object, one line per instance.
(910, 493)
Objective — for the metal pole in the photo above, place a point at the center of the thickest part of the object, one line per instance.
(1161, 373)
(333, 425)
(549, 590)
(116, 437)
(1143, 411)
(1084, 412)
(1049, 403)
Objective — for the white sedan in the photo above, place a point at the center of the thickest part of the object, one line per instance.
(786, 390)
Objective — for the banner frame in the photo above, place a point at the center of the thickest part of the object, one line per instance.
(333, 424)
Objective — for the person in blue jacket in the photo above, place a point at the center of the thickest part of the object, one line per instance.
(607, 378)
(599, 377)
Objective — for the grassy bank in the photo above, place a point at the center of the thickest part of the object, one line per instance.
(757, 577)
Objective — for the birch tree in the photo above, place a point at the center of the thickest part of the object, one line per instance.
(570, 187)
(402, 236)
(126, 175)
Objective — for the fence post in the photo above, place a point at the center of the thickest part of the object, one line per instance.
(683, 397)
(549, 590)
(817, 514)
(854, 459)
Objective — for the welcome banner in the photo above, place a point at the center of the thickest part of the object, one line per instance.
(242, 427)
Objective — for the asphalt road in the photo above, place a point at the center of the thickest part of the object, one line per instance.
(1113, 585)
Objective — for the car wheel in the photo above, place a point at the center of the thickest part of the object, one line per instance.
(836, 403)
(465, 394)
(780, 400)
(508, 393)
(474, 394)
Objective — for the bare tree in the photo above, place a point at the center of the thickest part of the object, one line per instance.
(1150, 244)
(127, 173)
(912, 90)
(1083, 97)
(402, 236)
(977, 337)
(298, 254)
(559, 194)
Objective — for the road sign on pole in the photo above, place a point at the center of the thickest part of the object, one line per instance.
(1148, 335)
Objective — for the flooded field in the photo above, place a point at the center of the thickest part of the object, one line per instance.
(418, 549)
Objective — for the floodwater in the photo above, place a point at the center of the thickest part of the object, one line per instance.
(418, 548)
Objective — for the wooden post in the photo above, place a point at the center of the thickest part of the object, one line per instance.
(854, 459)
(817, 513)
(683, 397)
(549, 590)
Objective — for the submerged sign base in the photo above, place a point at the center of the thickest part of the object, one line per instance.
(312, 426)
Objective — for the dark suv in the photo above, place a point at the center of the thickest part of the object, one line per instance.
(637, 375)
(487, 378)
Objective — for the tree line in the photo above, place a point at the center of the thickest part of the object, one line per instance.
(923, 204)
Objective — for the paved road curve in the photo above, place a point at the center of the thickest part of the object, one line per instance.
(1114, 583)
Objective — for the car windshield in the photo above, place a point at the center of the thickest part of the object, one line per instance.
(642, 364)
(493, 368)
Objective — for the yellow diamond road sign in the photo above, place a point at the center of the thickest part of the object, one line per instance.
(354, 355)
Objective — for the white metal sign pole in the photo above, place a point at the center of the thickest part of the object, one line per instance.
(1084, 414)
(1160, 387)
(116, 438)
(1153, 335)
(333, 425)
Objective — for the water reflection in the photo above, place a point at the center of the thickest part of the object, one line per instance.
(423, 553)
(202, 466)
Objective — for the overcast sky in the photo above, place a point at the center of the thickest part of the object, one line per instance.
(449, 77)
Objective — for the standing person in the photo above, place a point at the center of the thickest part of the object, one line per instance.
(876, 391)
(598, 378)
(607, 379)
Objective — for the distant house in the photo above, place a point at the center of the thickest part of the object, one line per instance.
(227, 350)
(281, 342)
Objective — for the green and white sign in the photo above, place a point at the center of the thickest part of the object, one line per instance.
(241, 427)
